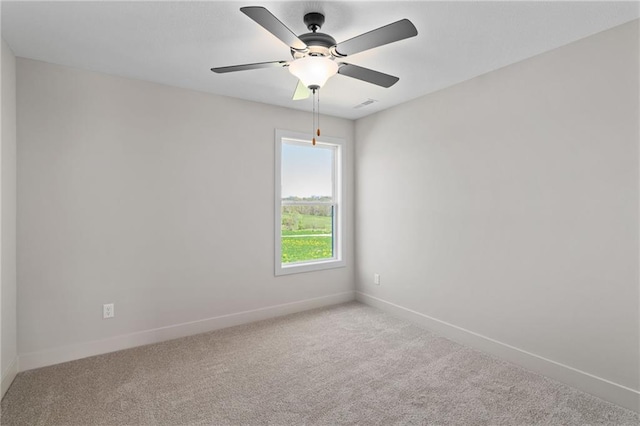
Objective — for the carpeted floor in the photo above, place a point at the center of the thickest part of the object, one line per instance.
(348, 364)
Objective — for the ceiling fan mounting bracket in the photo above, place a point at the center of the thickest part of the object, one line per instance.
(314, 21)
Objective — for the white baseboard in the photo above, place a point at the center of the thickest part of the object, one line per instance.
(605, 389)
(58, 355)
(8, 376)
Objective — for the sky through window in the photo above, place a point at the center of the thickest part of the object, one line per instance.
(306, 171)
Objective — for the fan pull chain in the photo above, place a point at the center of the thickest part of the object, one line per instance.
(313, 141)
(318, 132)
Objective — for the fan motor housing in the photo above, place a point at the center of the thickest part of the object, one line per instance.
(318, 44)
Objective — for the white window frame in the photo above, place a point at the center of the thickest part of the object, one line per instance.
(339, 216)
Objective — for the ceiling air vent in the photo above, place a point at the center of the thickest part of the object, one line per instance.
(365, 103)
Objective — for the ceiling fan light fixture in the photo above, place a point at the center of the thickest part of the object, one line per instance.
(313, 71)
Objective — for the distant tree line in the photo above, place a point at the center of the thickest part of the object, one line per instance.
(308, 209)
(293, 216)
(319, 198)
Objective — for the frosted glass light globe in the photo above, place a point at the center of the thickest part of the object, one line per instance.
(313, 71)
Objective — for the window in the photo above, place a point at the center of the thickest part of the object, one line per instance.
(309, 203)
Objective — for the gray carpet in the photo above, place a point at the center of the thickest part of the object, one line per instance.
(348, 364)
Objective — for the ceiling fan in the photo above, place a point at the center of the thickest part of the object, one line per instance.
(317, 56)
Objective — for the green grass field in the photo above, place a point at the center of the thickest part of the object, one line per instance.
(296, 249)
(306, 237)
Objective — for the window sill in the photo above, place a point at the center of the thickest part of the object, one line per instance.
(298, 268)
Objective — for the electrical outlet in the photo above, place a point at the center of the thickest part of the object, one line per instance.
(376, 279)
(107, 311)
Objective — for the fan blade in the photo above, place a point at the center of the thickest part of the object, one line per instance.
(233, 68)
(302, 92)
(266, 20)
(365, 74)
(384, 35)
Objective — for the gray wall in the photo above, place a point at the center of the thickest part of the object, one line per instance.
(508, 206)
(157, 199)
(8, 319)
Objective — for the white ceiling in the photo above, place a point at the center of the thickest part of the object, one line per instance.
(176, 43)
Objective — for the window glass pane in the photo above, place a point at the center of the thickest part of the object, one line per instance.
(309, 206)
(307, 232)
(307, 172)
